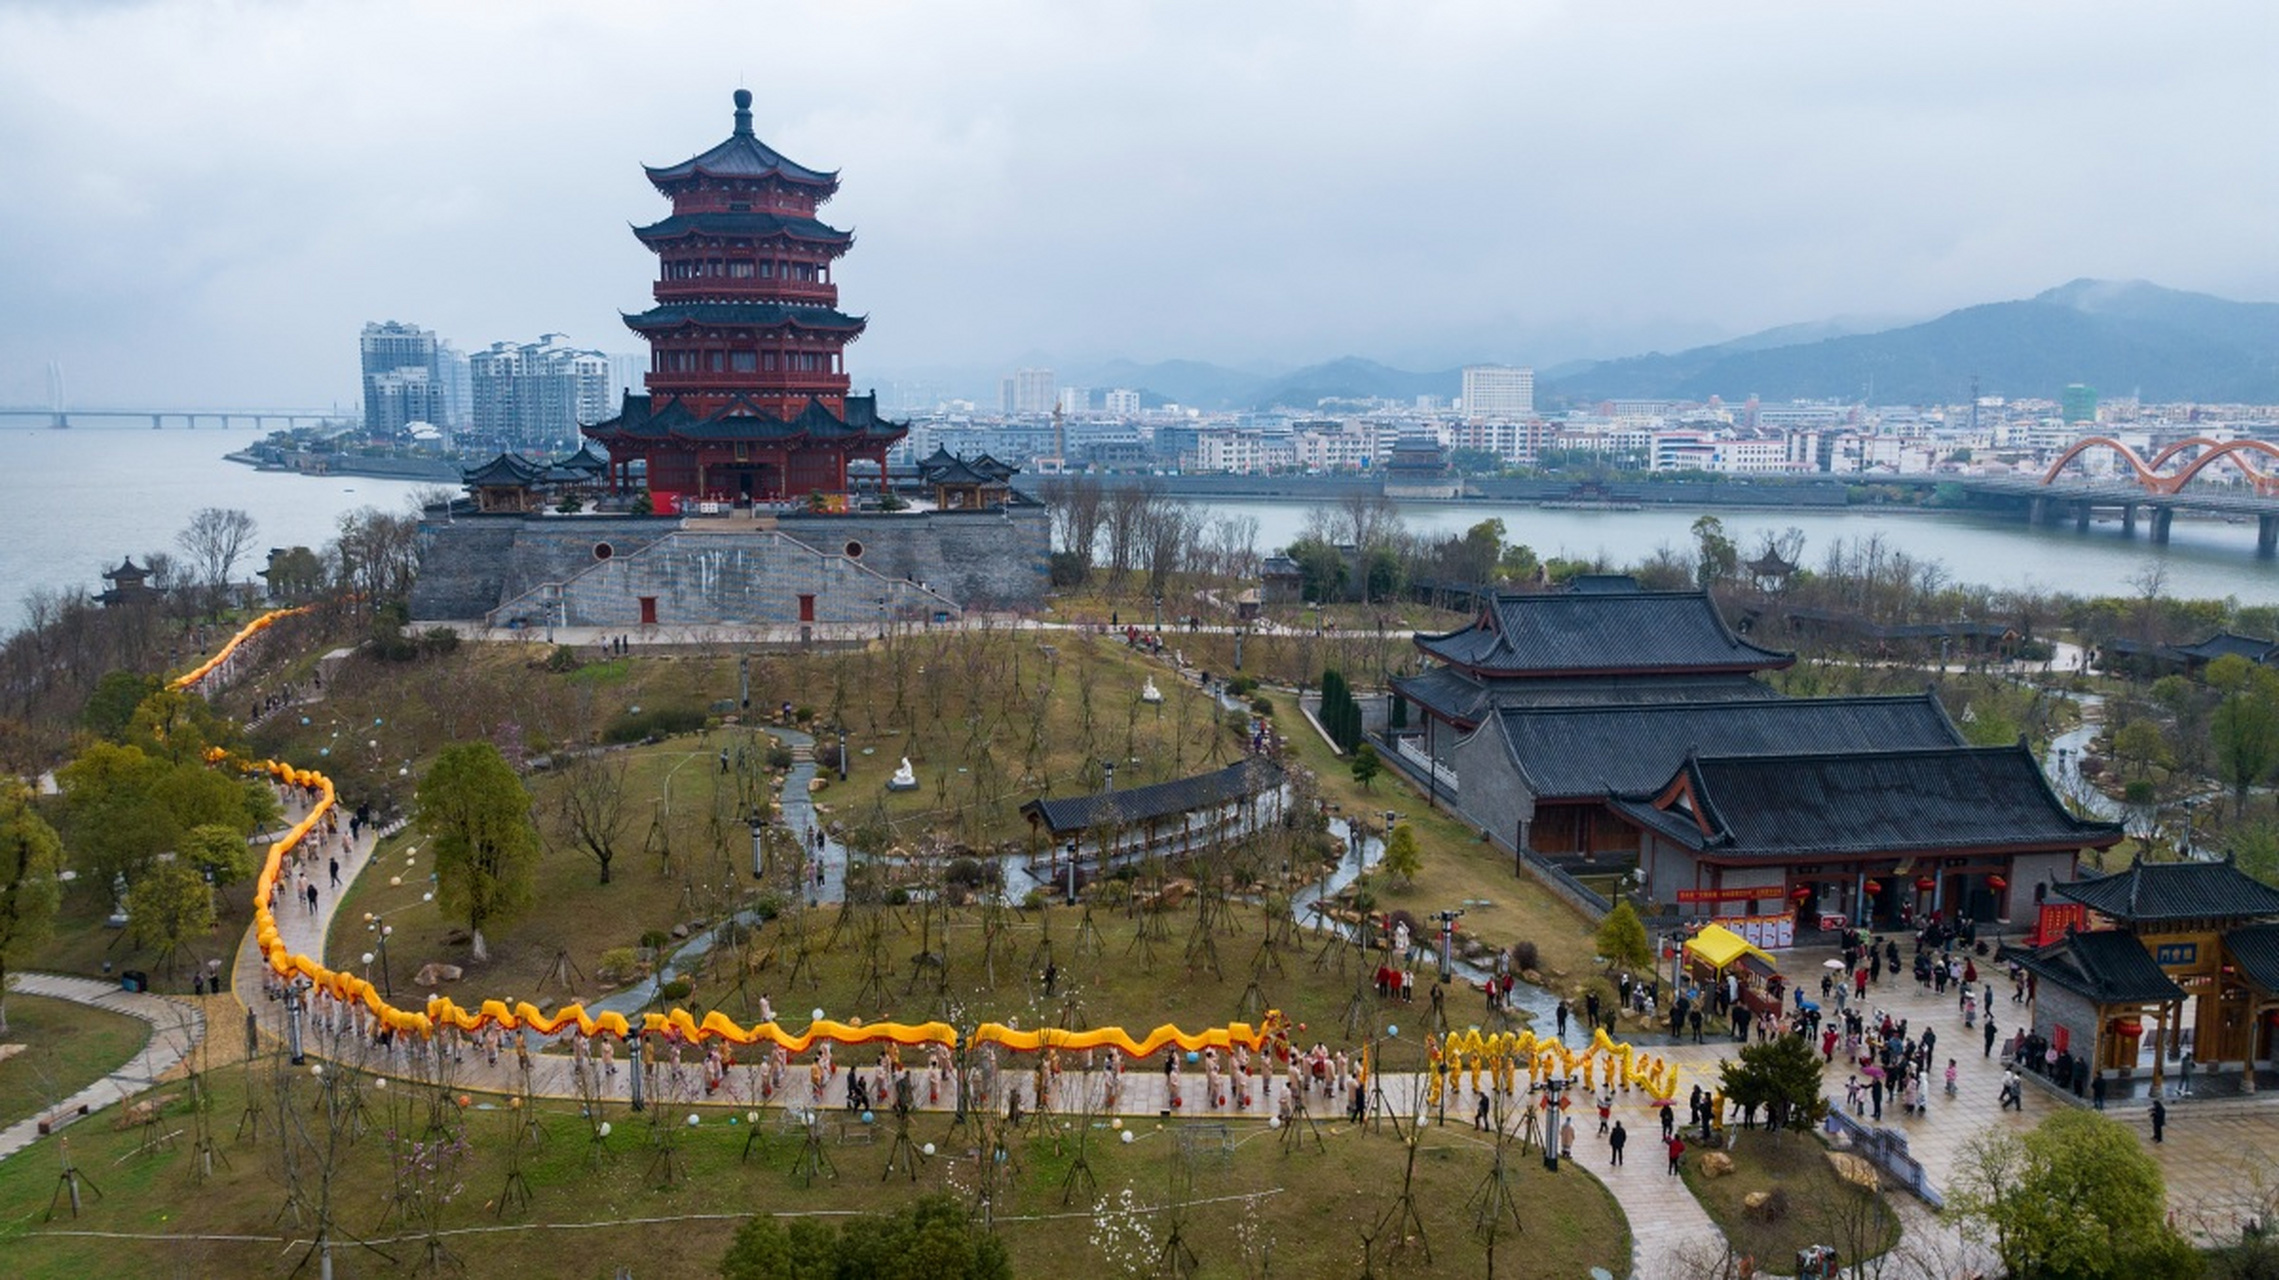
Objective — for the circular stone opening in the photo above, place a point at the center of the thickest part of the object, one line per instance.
(854, 550)
(603, 551)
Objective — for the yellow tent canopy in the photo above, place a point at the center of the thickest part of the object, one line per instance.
(1718, 946)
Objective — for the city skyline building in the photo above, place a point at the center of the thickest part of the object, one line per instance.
(1498, 391)
(400, 378)
(537, 394)
(1028, 391)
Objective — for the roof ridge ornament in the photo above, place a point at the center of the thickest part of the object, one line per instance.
(743, 100)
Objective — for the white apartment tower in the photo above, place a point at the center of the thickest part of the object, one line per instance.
(1498, 391)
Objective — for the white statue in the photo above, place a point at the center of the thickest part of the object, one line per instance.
(1151, 693)
(905, 778)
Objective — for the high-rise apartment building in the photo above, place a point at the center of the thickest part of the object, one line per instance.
(401, 382)
(1498, 391)
(2079, 403)
(1028, 391)
(1074, 400)
(537, 394)
(1122, 403)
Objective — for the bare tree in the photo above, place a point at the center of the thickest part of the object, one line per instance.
(215, 540)
(590, 805)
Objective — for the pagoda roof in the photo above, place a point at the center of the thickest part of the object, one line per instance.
(2106, 966)
(1594, 751)
(127, 569)
(641, 418)
(754, 315)
(994, 469)
(741, 156)
(1606, 630)
(755, 225)
(1250, 776)
(957, 471)
(508, 470)
(2155, 891)
(940, 457)
(1779, 807)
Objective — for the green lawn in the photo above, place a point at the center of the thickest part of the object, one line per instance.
(1821, 1207)
(1310, 1205)
(67, 1047)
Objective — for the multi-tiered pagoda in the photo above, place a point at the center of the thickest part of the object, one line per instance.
(748, 392)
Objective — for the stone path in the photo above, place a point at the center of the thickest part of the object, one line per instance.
(176, 1028)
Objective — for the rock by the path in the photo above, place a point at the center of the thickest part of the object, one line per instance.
(1716, 1164)
(1755, 1201)
(1855, 1170)
(431, 974)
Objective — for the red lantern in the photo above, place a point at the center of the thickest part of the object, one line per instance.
(1801, 892)
(1926, 883)
(1997, 883)
(1873, 887)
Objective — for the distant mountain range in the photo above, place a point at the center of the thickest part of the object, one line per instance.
(2121, 337)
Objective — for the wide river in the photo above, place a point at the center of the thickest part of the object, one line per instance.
(72, 503)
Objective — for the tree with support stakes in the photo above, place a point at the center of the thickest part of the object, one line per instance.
(1492, 1201)
(1403, 1216)
(814, 1159)
(477, 815)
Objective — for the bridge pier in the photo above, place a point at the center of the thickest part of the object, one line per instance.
(2081, 513)
(2128, 519)
(2161, 516)
(2038, 511)
(2266, 535)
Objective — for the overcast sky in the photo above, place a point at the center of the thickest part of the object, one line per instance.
(203, 202)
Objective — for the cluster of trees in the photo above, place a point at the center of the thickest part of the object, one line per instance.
(1340, 714)
(67, 643)
(1137, 536)
(2076, 1196)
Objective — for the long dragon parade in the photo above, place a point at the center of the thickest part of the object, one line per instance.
(1500, 1054)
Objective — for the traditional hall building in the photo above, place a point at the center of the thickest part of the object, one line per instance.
(745, 484)
(1608, 728)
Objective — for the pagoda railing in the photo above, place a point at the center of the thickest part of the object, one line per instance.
(1425, 764)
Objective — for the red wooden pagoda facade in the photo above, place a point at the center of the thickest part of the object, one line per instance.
(747, 386)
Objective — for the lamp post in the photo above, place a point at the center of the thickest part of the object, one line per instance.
(295, 1002)
(1554, 1091)
(759, 824)
(376, 924)
(1448, 944)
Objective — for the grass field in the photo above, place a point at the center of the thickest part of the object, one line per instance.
(1310, 1207)
(67, 1047)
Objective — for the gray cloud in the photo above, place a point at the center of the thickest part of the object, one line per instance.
(204, 201)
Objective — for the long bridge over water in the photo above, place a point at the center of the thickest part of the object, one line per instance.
(157, 418)
(2159, 486)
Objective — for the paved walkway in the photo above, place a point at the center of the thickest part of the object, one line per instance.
(176, 1028)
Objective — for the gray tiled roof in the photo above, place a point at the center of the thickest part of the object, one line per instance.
(1069, 814)
(2225, 642)
(2175, 891)
(1574, 633)
(642, 417)
(756, 225)
(1566, 752)
(752, 315)
(1458, 696)
(2107, 966)
(2255, 949)
(1947, 798)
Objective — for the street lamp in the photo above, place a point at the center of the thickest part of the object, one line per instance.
(1448, 944)
(759, 823)
(1554, 1089)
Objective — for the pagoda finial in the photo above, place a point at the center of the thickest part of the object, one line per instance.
(744, 113)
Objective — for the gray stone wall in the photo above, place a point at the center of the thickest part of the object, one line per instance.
(1489, 791)
(755, 577)
(471, 566)
(2056, 1007)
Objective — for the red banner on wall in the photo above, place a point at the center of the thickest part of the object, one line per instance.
(1751, 894)
(2056, 919)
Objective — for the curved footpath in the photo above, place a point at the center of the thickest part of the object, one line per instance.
(175, 1029)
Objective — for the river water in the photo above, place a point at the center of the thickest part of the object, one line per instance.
(72, 503)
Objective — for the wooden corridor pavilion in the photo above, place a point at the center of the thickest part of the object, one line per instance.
(2165, 934)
